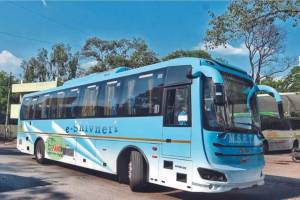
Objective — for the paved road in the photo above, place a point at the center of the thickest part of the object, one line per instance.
(22, 178)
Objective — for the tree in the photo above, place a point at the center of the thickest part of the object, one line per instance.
(73, 64)
(253, 23)
(59, 60)
(114, 53)
(60, 63)
(191, 53)
(28, 71)
(4, 80)
(42, 65)
(292, 81)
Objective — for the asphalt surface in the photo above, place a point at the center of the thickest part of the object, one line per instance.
(22, 178)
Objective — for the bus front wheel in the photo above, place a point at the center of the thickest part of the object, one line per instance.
(137, 171)
(39, 152)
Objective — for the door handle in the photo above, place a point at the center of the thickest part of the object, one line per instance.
(168, 140)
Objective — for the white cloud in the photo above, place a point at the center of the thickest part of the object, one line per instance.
(228, 50)
(9, 62)
(88, 64)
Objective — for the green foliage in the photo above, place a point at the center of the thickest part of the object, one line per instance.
(4, 80)
(290, 83)
(60, 63)
(192, 53)
(253, 24)
(111, 54)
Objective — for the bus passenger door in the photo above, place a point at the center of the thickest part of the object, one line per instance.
(177, 121)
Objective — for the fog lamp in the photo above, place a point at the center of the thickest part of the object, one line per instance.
(211, 175)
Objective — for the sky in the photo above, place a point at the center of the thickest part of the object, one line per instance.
(26, 27)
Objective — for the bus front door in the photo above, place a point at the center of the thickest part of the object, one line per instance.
(177, 121)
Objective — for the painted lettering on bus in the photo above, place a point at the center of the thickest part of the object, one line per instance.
(93, 129)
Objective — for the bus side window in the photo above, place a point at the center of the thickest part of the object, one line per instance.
(53, 106)
(295, 124)
(60, 104)
(71, 103)
(177, 110)
(89, 101)
(148, 94)
(32, 107)
(126, 104)
(111, 101)
(25, 109)
(38, 108)
(45, 107)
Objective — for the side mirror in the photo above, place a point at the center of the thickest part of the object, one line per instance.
(272, 92)
(280, 110)
(219, 96)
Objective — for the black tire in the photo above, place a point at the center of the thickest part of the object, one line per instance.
(137, 172)
(266, 147)
(39, 152)
(295, 145)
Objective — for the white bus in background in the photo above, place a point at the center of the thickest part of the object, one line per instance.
(280, 134)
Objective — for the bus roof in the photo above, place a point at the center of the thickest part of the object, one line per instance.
(126, 71)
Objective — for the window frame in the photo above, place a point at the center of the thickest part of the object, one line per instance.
(102, 84)
(164, 104)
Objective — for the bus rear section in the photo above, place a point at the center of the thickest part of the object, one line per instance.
(186, 123)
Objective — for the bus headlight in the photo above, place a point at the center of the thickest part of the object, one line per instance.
(211, 175)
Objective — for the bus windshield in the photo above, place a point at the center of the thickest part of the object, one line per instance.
(234, 115)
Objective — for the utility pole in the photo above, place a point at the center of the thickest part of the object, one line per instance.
(7, 107)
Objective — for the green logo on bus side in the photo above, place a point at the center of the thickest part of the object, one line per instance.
(55, 146)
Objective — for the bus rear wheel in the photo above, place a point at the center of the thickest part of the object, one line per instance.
(137, 171)
(39, 152)
(295, 145)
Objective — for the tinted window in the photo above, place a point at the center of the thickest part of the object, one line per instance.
(71, 103)
(295, 123)
(24, 114)
(127, 98)
(32, 105)
(177, 75)
(148, 94)
(178, 107)
(53, 105)
(112, 97)
(273, 123)
(38, 108)
(60, 104)
(45, 106)
(142, 95)
(89, 101)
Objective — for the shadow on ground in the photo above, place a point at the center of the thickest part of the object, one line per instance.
(275, 187)
(11, 182)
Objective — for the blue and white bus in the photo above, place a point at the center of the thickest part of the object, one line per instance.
(187, 123)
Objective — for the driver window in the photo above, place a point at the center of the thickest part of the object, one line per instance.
(177, 112)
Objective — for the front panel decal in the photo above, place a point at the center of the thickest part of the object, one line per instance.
(55, 147)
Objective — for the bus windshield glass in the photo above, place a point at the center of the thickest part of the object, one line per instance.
(234, 115)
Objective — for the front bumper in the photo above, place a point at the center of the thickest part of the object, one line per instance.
(217, 187)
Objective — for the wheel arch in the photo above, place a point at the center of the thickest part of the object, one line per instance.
(124, 156)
